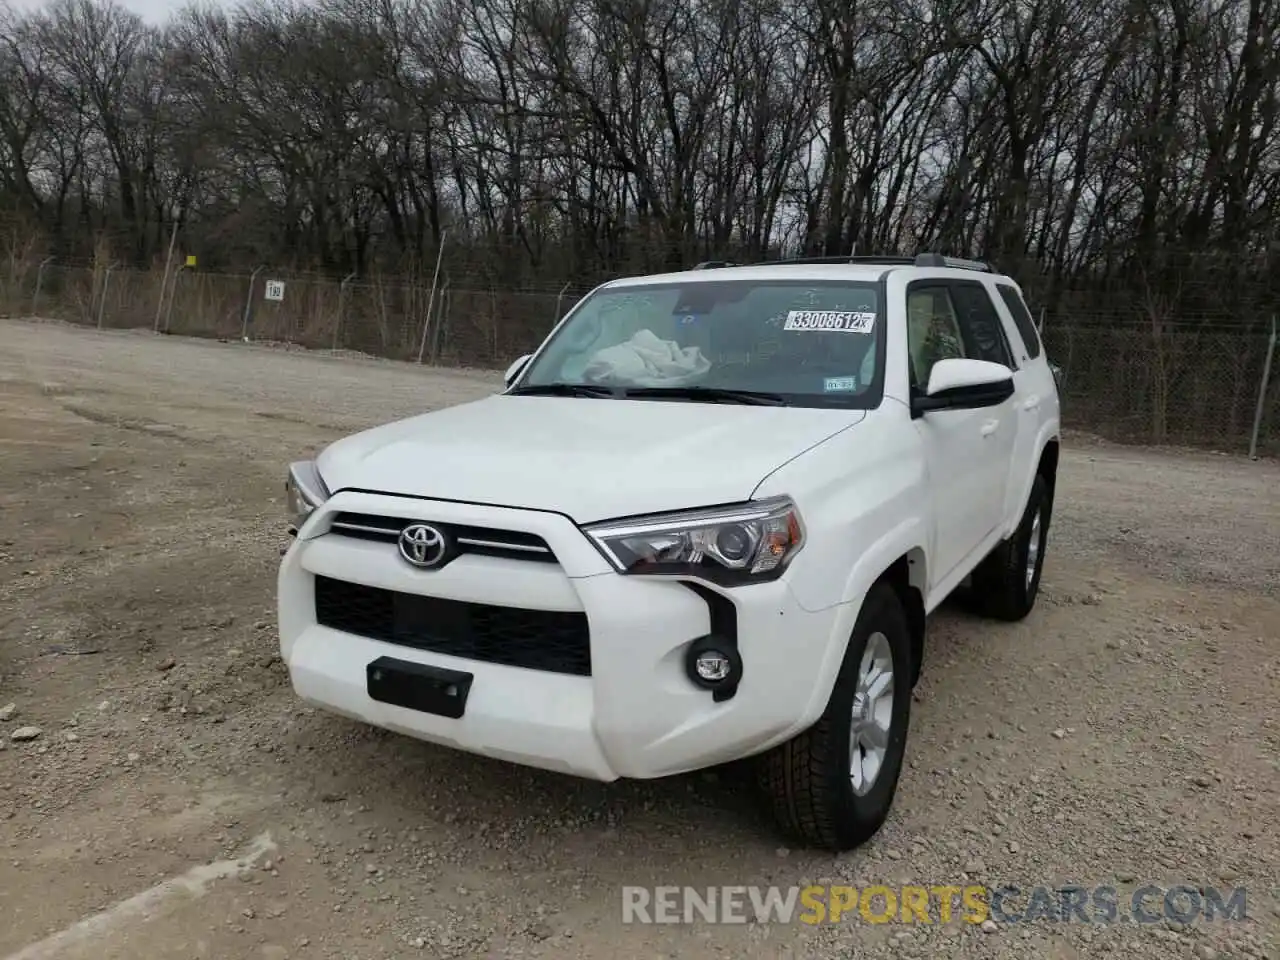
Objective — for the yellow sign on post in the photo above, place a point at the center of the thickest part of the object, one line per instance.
(191, 260)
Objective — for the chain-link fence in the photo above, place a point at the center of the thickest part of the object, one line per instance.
(1181, 383)
(1194, 381)
(459, 322)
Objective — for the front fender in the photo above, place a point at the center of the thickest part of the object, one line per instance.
(853, 491)
(865, 502)
(907, 538)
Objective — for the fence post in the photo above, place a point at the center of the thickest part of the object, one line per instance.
(102, 300)
(1262, 391)
(164, 282)
(173, 294)
(248, 304)
(431, 300)
(342, 301)
(437, 327)
(559, 300)
(35, 301)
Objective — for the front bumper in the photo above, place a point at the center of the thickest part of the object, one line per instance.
(636, 715)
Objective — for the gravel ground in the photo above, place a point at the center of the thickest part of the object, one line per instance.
(1126, 733)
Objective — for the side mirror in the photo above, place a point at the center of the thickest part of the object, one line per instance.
(961, 384)
(513, 371)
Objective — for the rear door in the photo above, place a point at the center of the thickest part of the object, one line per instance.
(1033, 379)
(1000, 427)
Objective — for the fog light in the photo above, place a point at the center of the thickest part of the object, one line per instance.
(712, 666)
(713, 663)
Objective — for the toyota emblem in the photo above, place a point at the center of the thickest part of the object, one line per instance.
(423, 545)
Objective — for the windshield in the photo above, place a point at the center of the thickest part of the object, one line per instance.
(805, 343)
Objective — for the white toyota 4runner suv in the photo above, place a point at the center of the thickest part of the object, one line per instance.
(705, 521)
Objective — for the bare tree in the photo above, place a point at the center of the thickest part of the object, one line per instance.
(1099, 149)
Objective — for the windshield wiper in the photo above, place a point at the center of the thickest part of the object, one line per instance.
(710, 395)
(562, 390)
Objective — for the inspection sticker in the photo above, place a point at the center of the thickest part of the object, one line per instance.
(840, 384)
(833, 321)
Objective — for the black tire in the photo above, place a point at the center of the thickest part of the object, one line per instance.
(806, 779)
(1001, 589)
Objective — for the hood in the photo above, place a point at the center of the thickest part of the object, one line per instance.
(585, 458)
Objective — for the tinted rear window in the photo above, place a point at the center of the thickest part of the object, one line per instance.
(980, 324)
(1021, 317)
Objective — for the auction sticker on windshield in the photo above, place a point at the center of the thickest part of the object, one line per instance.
(830, 321)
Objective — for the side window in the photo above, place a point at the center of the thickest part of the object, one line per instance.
(933, 332)
(1021, 318)
(984, 335)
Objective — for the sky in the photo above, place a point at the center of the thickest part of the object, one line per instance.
(154, 12)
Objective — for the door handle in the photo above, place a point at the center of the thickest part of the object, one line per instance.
(990, 427)
(1032, 403)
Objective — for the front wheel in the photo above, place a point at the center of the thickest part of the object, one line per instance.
(1006, 583)
(831, 786)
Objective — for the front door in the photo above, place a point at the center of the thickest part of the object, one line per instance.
(967, 452)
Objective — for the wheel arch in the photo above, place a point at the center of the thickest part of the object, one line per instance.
(1045, 465)
(898, 558)
(907, 575)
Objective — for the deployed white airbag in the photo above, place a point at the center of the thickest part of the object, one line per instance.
(646, 360)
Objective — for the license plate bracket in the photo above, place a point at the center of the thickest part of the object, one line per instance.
(416, 686)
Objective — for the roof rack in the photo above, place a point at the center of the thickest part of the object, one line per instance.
(919, 260)
(889, 261)
(960, 263)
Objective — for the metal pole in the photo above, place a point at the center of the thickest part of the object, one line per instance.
(560, 299)
(431, 300)
(248, 304)
(342, 299)
(1040, 325)
(102, 303)
(35, 301)
(168, 261)
(437, 327)
(1262, 392)
(173, 294)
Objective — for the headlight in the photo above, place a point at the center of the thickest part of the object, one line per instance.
(748, 543)
(305, 491)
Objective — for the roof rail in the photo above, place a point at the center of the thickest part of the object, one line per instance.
(898, 261)
(919, 260)
(938, 260)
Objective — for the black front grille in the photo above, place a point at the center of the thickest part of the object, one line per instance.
(537, 639)
(485, 541)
